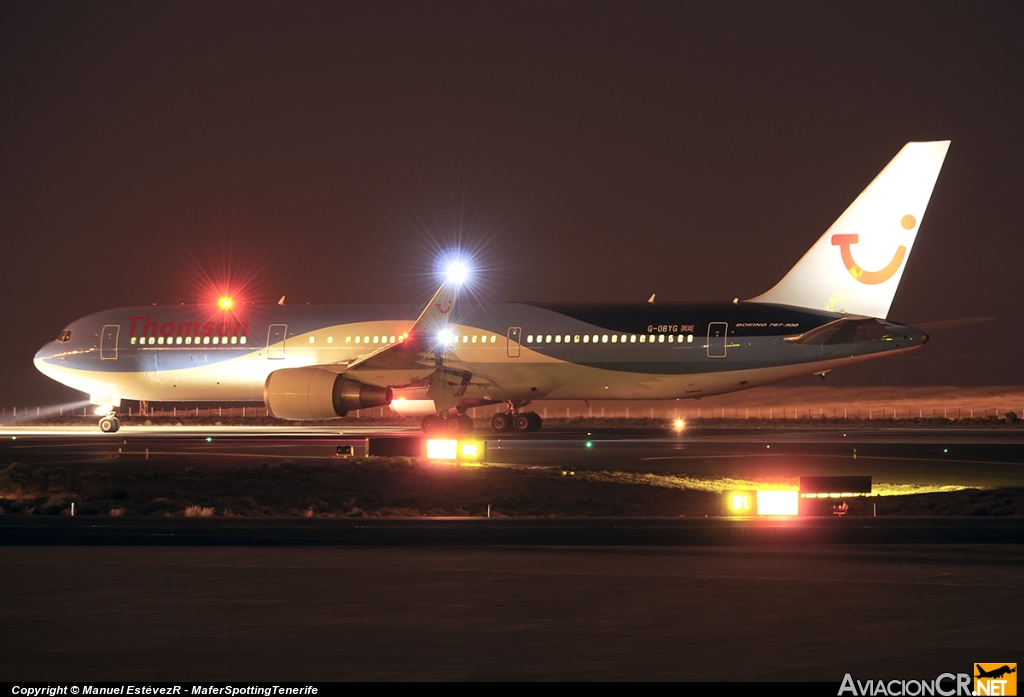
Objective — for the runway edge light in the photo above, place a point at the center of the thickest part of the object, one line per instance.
(448, 450)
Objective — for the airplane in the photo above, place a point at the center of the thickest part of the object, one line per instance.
(994, 673)
(321, 362)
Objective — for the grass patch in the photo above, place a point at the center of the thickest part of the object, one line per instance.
(402, 487)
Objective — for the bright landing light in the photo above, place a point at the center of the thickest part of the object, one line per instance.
(225, 303)
(457, 272)
(778, 502)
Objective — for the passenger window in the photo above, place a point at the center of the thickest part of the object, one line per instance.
(475, 338)
(178, 341)
(632, 338)
(689, 338)
(242, 340)
(358, 339)
(615, 338)
(160, 341)
(547, 339)
(604, 338)
(558, 338)
(348, 339)
(366, 339)
(206, 340)
(312, 339)
(494, 338)
(392, 340)
(465, 338)
(529, 339)
(216, 340)
(586, 338)
(330, 340)
(642, 338)
(661, 338)
(132, 341)
(234, 340)
(576, 339)
(376, 339)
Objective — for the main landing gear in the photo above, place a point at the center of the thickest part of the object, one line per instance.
(461, 424)
(458, 425)
(110, 423)
(525, 422)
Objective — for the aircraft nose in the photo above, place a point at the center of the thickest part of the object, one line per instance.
(46, 352)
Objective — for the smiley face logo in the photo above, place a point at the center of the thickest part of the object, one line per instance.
(871, 278)
(448, 308)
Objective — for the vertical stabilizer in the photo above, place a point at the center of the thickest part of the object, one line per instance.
(857, 264)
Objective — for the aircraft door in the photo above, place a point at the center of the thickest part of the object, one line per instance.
(108, 342)
(717, 334)
(276, 336)
(515, 335)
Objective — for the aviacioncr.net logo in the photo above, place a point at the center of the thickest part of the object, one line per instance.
(845, 241)
(946, 685)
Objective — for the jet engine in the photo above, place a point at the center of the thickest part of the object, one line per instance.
(301, 394)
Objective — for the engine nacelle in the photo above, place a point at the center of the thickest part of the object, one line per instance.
(306, 394)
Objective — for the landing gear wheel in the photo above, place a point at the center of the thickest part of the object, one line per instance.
(522, 422)
(453, 426)
(110, 424)
(535, 421)
(431, 424)
(466, 422)
(501, 422)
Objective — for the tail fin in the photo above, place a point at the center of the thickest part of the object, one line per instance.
(857, 264)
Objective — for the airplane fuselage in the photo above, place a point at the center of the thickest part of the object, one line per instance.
(510, 351)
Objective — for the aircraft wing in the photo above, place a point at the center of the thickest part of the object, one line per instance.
(415, 357)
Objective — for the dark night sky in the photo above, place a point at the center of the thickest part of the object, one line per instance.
(589, 151)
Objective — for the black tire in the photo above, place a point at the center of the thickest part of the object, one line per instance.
(109, 424)
(452, 426)
(535, 421)
(522, 422)
(431, 424)
(501, 422)
(466, 421)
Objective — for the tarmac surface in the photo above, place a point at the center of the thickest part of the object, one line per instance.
(256, 531)
(808, 613)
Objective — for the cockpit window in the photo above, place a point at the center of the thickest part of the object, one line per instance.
(65, 336)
